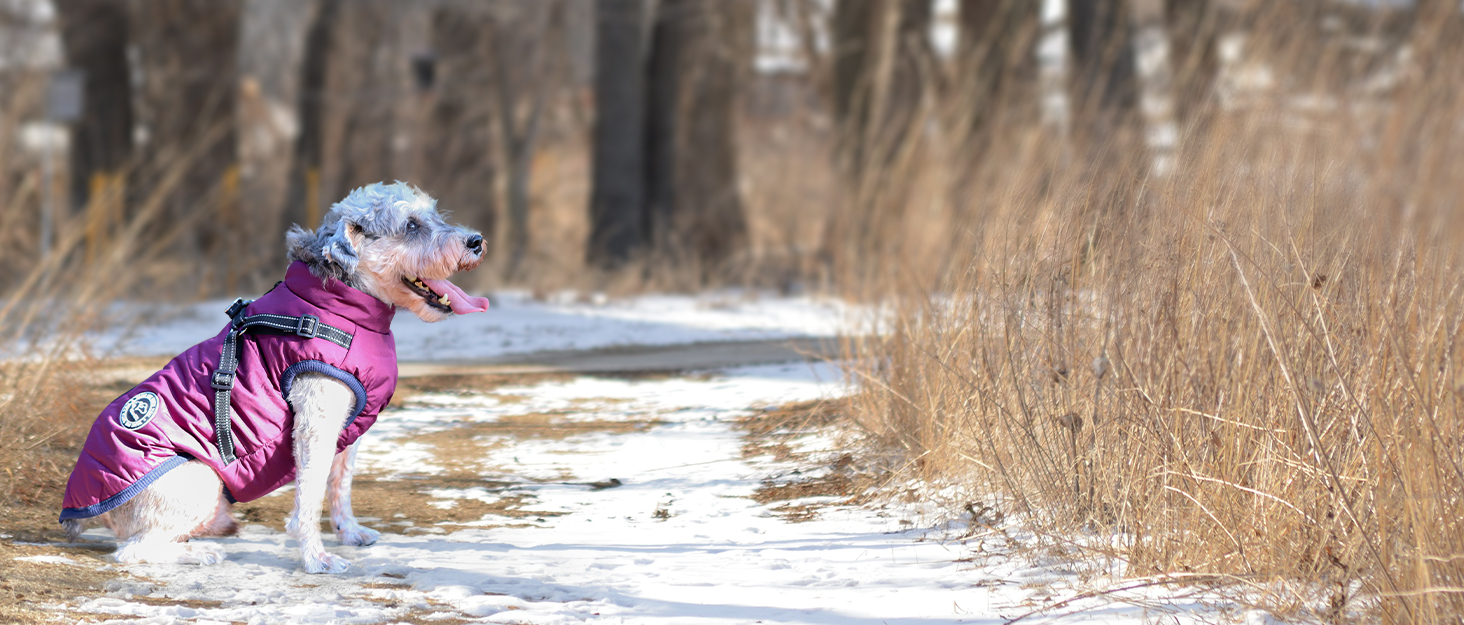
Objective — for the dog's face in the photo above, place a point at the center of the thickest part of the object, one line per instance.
(389, 241)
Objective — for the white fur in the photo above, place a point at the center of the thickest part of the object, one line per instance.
(321, 407)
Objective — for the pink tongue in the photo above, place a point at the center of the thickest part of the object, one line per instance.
(461, 303)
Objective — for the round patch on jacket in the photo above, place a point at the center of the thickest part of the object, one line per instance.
(139, 410)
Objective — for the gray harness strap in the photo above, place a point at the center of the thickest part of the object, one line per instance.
(222, 380)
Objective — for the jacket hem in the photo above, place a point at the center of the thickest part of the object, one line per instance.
(106, 505)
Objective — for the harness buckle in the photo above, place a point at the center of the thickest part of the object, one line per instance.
(308, 326)
(237, 307)
(222, 380)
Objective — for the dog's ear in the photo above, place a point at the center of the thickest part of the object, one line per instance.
(337, 248)
(328, 251)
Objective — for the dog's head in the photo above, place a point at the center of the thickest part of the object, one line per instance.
(388, 240)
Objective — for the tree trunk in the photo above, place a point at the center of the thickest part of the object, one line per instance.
(1156, 77)
(366, 73)
(460, 168)
(882, 66)
(306, 200)
(853, 33)
(272, 52)
(522, 84)
(998, 67)
(187, 51)
(94, 36)
(617, 193)
(699, 49)
(1194, 31)
(1104, 89)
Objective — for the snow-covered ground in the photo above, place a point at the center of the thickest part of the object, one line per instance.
(679, 541)
(518, 324)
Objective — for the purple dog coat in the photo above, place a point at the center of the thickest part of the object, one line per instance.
(169, 418)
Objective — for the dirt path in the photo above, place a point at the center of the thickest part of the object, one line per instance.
(548, 496)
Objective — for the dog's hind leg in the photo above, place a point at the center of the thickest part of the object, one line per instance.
(155, 525)
(321, 406)
(347, 528)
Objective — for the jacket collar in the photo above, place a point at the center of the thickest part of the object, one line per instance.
(335, 296)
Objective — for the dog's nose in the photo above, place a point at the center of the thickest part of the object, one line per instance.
(475, 243)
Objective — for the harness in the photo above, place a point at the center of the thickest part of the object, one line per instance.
(222, 379)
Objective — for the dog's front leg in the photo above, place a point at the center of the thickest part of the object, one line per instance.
(321, 406)
(347, 529)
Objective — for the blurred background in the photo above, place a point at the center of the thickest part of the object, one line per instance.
(780, 143)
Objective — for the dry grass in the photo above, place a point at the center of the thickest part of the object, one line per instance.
(1249, 369)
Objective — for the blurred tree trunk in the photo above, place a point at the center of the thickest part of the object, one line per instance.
(997, 65)
(272, 53)
(882, 71)
(1104, 89)
(853, 33)
(1194, 32)
(306, 199)
(187, 51)
(1438, 35)
(522, 87)
(94, 37)
(1152, 60)
(617, 194)
(460, 168)
(358, 115)
(700, 53)
(882, 60)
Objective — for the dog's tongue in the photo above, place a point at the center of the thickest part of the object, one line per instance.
(461, 303)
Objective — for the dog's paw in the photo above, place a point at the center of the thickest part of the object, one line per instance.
(201, 554)
(323, 562)
(357, 535)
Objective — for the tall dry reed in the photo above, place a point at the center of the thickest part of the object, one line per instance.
(1248, 371)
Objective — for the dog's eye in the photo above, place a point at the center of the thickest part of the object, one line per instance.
(412, 225)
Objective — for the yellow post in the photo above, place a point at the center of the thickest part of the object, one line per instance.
(229, 219)
(103, 211)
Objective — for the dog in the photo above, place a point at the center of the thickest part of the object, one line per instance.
(282, 393)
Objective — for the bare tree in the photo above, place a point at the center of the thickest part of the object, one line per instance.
(882, 61)
(461, 169)
(522, 88)
(272, 51)
(699, 52)
(1104, 89)
(187, 52)
(882, 73)
(997, 65)
(365, 75)
(1194, 31)
(617, 195)
(94, 37)
(305, 200)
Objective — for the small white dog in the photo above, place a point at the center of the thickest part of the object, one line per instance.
(283, 392)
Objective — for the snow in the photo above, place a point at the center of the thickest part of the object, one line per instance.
(518, 324)
(680, 541)
(47, 560)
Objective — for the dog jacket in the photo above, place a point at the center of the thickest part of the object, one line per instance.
(170, 418)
